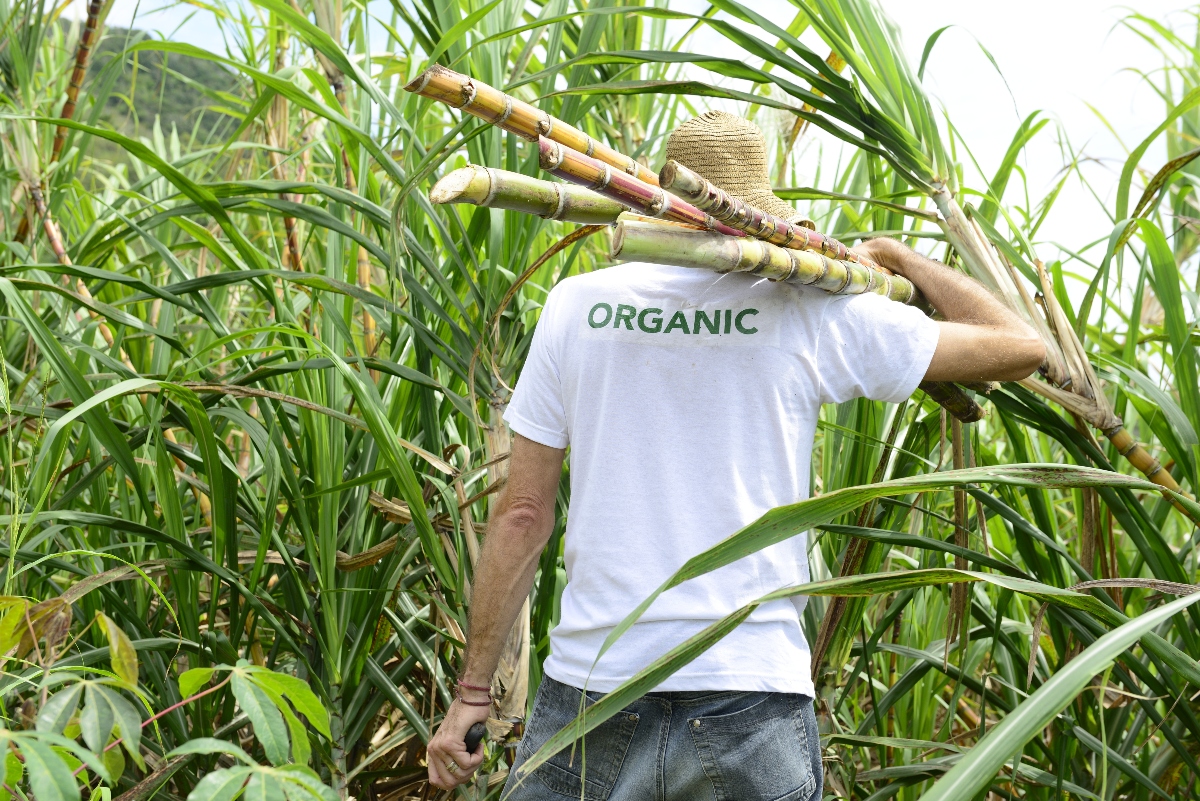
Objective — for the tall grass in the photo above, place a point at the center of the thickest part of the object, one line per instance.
(252, 382)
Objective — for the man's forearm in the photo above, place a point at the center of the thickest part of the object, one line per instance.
(521, 523)
(956, 297)
(503, 580)
(980, 339)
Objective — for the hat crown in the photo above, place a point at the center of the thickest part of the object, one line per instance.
(731, 152)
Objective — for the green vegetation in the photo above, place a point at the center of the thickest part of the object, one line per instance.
(252, 380)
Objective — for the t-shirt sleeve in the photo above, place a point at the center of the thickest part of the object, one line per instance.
(536, 410)
(872, 347)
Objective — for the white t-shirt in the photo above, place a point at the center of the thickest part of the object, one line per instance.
(689, 401)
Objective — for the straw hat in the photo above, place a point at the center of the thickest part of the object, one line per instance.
(732, 153)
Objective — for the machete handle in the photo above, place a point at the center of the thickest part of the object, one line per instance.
(474, 737)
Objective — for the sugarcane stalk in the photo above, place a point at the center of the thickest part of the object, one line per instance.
(985, 267)
(328, 16)
(516, 116)
(646, 199)
(954, 400)
(736, 213)
(276, 129)
(646, 240)
(83, 55)
(1070, 380)
(1140, 458)
(54, 237)
(958, 592)
(501, 189)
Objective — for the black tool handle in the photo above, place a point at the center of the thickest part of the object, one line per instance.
(474, 737)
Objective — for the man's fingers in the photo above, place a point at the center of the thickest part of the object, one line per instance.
(465, 760)
(442, 776)
(439, 773)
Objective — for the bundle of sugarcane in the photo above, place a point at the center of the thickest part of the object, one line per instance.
(576, 157)
(657, 201)
(689, 246)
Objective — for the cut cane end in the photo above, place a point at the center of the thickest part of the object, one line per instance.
(618, 242)
(550, 154)
(454, 187)
(421, 81)
(666, 176)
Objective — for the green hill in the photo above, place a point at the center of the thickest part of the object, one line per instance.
(137, 88)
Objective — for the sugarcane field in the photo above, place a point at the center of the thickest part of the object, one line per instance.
(611, 400)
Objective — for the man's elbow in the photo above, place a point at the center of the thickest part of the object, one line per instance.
(524, 518)
(1027, 354)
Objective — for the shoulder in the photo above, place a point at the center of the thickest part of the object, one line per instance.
(618, 275)
(873, 320)
(866, 309)
(586, 287)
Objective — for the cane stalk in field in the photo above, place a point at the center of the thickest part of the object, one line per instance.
(33, 187)
(328, 14)
(87, 40)
(83, 52)
(277, 135)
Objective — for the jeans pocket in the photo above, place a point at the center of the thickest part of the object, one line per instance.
(594, 761)
(759, 752)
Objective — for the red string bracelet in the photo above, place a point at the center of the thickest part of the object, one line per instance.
(476, 687)
(462, 700)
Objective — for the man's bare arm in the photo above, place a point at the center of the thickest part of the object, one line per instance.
(980, 338)
(518, 529)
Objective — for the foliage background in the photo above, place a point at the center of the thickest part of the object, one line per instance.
(243, 353)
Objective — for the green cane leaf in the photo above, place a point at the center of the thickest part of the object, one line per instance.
(975, 771)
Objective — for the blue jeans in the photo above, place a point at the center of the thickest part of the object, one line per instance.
(675, 746)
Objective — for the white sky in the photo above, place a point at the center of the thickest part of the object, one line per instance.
(1056, 55)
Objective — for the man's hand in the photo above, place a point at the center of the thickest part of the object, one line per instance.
(449, 763)
(980, 338)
